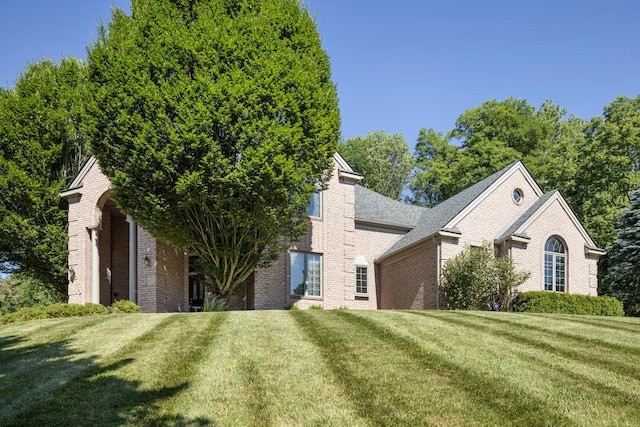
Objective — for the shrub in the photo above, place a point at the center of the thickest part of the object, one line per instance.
(124, 306)
(316, 307)
(476, 279)
(562, 303)
(73, 310)
(216, 303)
(291, 306)
(25, 313)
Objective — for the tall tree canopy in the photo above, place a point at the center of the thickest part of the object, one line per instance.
(41, 147)
(383, 159)
(484, 140)
(624, 258)
(215, 121)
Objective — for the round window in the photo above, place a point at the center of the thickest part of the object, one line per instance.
(518, 197)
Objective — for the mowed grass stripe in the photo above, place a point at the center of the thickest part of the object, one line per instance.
(472, 381)
(264, 371)
(42, 363)
(577, 348)
(378, 371)
(128, 385)
(548, 369)
(18, 341)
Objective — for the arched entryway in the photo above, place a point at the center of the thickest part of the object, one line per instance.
(114, 255)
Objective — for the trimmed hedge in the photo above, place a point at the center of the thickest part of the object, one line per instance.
(561, 303)
(68, 310)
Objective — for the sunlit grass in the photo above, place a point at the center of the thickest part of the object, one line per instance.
(321, 368)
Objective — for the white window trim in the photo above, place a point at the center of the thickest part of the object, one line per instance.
(319, 193)
(361, 262)
(554, 255)
(305, 295)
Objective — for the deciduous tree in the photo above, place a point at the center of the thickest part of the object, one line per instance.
(383, 159)
(42, 147)
(215, 121)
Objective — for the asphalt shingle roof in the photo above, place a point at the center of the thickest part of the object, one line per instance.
(437, 217)
(376, 208)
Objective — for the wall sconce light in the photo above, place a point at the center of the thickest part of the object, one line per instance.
(72, 274)
(147, 262)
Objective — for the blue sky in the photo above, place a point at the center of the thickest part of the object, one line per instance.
(407, 64)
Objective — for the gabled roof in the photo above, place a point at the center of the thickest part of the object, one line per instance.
(443, 217)
(77, 181)
(374, 208)
(344, 170)
(523, 222)
(512, 230)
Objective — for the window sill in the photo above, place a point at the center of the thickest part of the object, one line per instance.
(309, 297)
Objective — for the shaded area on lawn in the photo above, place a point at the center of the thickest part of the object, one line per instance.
(62, 385)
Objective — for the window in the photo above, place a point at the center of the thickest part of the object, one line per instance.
(518, 196)
(306, 274)
(362, 280)
(555, 261)
(314, 205)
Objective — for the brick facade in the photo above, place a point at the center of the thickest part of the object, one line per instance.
(405, 279)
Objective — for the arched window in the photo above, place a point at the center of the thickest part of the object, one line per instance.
(555, 261)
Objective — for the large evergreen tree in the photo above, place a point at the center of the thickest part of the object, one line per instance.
(624, 258)
(215, 121)
(42, 147)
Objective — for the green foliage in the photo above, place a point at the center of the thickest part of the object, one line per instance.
(74, 310)
(124, 306)
(624, 258)
(215, 122)
(594, 163)
(316, 307)
(216, 303)
(24, 314)
(475, 279)
(42, 146)
(562, 303)
(490, 137)
(19, 291)
(382, 159)
(291, 306)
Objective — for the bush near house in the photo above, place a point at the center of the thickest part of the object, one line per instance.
(476, 279)
(68, 310)
(561, 303)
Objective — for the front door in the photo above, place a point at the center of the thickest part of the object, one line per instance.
(196, 289)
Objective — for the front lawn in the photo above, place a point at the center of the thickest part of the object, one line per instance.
(321, 368)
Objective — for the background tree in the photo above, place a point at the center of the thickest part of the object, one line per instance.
(624, 258)
(484, 140)
(383, 159)
(215, 120)
(42, 147)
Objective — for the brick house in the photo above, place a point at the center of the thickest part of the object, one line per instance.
(363, 251)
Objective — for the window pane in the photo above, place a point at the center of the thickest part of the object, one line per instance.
(314, 205)
(361, 280)
(560, 273)
(548, 272)
(313, 275)
(297, 273)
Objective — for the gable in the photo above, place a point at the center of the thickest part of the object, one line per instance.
(487, 216)
(446, 217)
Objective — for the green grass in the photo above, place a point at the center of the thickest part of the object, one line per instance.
(336, 367)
